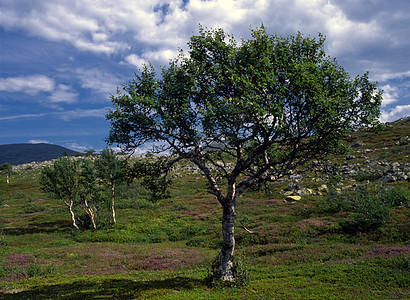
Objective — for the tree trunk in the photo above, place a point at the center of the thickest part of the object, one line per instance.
(92, 217)
(70, 207)
(91, 212)
(228, 243)
(113, 203)
(7, 178)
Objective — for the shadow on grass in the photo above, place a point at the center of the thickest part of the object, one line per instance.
(109, 289)
(45, 227)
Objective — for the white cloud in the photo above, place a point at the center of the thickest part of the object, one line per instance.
(356, 30)
(30, 84)
(77, 147)
(38, 142)
(396, 113)
(391, 76)
(23, 116)
(390, 94)
(159, 57)
(83, 113)
(101, 82)
(63, 94)
(64, 115)
(136, 60)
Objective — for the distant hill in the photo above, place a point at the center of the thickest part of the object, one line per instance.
(16, 154)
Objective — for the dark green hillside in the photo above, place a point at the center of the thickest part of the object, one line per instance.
(16, 154)
(349, 240)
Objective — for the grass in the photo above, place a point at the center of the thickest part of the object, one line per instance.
(164, 250)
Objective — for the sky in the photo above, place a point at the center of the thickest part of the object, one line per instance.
(60, 61)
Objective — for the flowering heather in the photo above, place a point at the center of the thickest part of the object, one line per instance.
(318, 223)
(20, 260)
(273, 201)
(17, 266)
(387, 252)
(104, 259)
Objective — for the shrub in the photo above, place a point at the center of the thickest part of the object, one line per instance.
(396, 197)
(366, 209)
(240, 273)
(367, 175)
(33, 208)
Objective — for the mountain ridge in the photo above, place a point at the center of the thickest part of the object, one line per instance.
(22, 153)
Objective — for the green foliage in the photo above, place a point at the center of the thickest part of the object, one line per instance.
(6, 169)
(244, 113)
(61, 180)
(367, 175)
(334, 173)
(367, 209)
(32, 208)
(266, 105)
(396, 196)
(34, 269)
(154, 173)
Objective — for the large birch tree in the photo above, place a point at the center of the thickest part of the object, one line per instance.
(244, 113)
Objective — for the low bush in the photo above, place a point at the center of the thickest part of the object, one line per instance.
(367, 175)
(365, 209)
(33, 208)
(396, 196)
(240, 273)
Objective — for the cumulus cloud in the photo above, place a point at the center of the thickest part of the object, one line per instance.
(390, 95)
(30, 84)
(63, 94)
(396, 113)
(99, 81)
(136, 60)
(74, 22)
(160, 57)
(355, 29)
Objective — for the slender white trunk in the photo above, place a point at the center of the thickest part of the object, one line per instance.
(92, 217)
(91, 212)
(70, 207)
(228, 243)
(113, 203)
(7, 179)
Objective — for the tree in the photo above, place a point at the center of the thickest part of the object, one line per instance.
(61, 181)
(154, 176)
(244, 113)
(7, 169)
(112, 171)
(89, 191)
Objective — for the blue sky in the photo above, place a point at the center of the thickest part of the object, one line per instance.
(61, 60)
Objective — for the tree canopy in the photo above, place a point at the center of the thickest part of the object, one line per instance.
(244, 112)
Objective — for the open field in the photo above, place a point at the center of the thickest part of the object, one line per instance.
(305, 249)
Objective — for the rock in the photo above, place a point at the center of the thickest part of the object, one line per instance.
(403, 140)
(388, 178)
(304, 192)
(293, 198)
(349, 157)
(295, 177)
(357, 144)
(293, 187)
(401, 176)
(323, 188)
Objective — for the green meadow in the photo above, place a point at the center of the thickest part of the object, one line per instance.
(350, 241)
